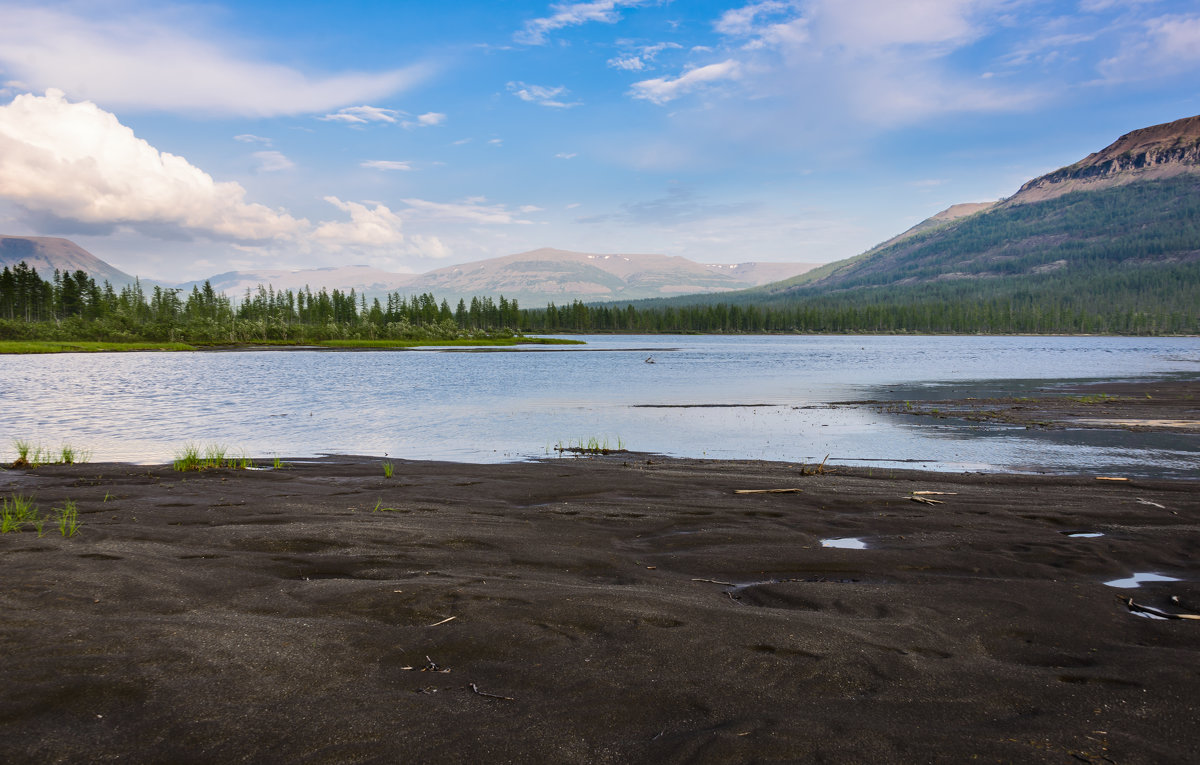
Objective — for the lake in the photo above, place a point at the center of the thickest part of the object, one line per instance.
(500, 405)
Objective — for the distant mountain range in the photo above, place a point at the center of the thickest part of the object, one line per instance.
(1123, 221)
(532, 278)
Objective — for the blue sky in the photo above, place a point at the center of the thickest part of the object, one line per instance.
(179, 141)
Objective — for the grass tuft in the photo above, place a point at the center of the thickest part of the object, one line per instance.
(68, 519)
(209, 457)
(590, 446)
(388, 470)
(31, 455)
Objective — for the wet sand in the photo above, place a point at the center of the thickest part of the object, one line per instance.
(616, 609)
(1169, 405)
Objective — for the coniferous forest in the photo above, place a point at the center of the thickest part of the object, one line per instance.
(73, 307)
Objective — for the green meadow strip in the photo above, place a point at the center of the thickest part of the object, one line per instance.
(466, 342)
(49, 346)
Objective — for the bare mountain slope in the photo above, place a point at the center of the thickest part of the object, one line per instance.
(46, 253)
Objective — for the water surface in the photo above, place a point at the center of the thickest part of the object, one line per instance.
(716, 397)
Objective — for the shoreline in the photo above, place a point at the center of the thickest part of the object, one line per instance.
(627, 608)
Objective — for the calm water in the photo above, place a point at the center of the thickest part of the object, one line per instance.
(497, 406)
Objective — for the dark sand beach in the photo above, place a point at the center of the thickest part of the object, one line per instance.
(625, 608)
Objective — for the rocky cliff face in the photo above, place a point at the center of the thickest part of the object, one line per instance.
(1154, 152)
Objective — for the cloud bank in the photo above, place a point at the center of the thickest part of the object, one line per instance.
(104, 59)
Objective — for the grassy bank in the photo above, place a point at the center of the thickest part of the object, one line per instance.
(47, 346)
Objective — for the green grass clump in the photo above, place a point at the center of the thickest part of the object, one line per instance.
(590, 446)
(388, 470)
(379, 508)
(210, 457)
(30, 455)
(68, 519)
(16, 512)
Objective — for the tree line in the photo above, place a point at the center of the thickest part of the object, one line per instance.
(1147, 300)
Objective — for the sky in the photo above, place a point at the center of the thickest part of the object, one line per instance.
(178, 141)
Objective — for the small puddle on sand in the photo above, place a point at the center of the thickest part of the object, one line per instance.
(1138, 578)
(1083, 534)
(845, 543)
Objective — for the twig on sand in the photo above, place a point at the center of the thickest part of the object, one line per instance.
(768, 491)
(478, 692)
(433, 666)
(926, 500)
(936, 493)
(1138, 608)
(443, 621)
(735, 600)
(1109, 478)
(714, 581)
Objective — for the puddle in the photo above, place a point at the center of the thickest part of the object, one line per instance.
(1137, 579)
(1083, 534)
(845, 543)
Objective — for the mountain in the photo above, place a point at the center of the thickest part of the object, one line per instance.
(46, 253)
(1129, 212)
(531, 278)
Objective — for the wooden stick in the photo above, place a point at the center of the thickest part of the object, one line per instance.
(946, 493)
(1136, 607)
(714, 581)
(443, 621)
(475, 688)
(1109, 478)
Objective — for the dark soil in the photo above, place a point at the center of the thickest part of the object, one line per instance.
(612, 609)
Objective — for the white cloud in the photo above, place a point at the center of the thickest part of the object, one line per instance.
(77, 162)
(372, 227)
(743, 21)
(361, 115)
(642, 58)
(471, 210)
(540, 94)
(628, 63)
(566, 155)
(1163, 46)
(155, 60)
(429, 119)
(272, 161)
(660, 90)
(250, 138)
(570, 15)
(387, 164)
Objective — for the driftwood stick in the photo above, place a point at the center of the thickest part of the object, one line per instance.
(478, 692)
(714, 581)
(443, 621)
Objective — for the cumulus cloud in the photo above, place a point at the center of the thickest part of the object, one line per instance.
(660, 90)
(536, 31)
(368, 226)
(77, 162)
(104, 58)
(540, 94)
(272, 161)
(387, 164)
(429, 119)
